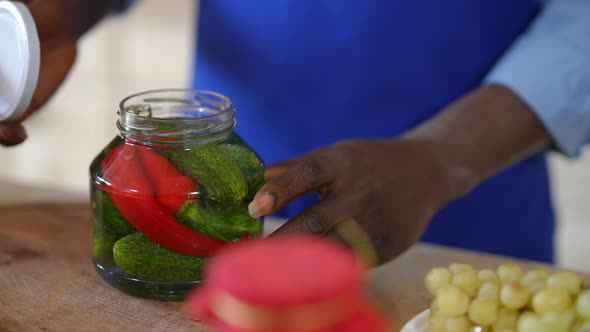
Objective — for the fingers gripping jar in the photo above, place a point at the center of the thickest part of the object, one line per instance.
(170, 190)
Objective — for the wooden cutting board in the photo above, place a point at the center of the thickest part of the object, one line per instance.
(48, 283)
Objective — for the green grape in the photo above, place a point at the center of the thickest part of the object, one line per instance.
(514, 295)
(457, 324)
(483, 311)
(452, 301)
(583, 304)
(534, 280)
(436, 278)
(460, 267)
(437, 323)
(551, 299)
(487, 276)
(467, 281)
(559, 322)
(481, 329)
(490, 290)
(509, 272)
(434, 308)
(442, 323)
(506, 320)
(530, 322)
(535, 287)
(568, 280)
(534, 276)
(581, 326)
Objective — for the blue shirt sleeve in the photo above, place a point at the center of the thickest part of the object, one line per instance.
(549, 67)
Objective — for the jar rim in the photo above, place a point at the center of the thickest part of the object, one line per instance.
(229, 107)
(189, 116)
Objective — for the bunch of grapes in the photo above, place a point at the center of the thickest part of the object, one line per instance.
(506, 300)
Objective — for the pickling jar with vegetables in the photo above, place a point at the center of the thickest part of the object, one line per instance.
(170, 190)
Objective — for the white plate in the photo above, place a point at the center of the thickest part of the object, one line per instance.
(418, 323)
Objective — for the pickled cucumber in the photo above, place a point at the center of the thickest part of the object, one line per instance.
(222, 223)
(214, 169)
(250, 164)
(102, 244)
(145, 259)
(105, 210)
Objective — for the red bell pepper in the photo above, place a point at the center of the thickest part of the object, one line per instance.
(171, 187)
(133, 195)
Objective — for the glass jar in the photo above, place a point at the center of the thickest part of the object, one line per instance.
(170, 190)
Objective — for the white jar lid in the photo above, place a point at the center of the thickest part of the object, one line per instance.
(20, 57)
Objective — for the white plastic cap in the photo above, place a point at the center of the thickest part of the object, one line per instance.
(20, 57)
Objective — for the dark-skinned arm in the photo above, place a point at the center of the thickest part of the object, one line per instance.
(85, 14)
(59, 24)
(391, 188)
(485, 131)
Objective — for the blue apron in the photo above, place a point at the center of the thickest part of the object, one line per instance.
(304, 74)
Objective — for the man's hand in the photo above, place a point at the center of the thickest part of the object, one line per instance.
(392, 188)
(58, 52)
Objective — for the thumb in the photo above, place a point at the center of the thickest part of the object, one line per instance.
(12, 133)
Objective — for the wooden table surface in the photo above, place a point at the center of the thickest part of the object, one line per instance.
(48, 283)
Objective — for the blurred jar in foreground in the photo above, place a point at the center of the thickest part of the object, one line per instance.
(287, 284)
(171, 190)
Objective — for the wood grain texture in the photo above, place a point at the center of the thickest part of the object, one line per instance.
(48, 283)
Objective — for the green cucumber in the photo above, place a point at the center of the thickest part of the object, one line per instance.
(249, 164)
(214, 169)
(235, 139)
(102, 244)
(105, 210)
(147, 260)
(228, 223)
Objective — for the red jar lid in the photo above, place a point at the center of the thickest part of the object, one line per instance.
(304, 283)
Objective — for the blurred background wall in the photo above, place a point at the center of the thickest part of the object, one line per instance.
(151, 47)
(148, 47)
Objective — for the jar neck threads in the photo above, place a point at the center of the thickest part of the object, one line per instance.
(176, 117)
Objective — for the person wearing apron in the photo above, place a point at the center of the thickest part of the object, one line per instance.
(416, 120)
